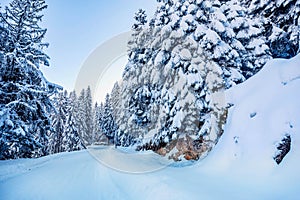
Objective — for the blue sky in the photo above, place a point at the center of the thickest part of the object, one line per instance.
(76, 28)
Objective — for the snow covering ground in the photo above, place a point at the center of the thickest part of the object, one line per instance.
(266, 107)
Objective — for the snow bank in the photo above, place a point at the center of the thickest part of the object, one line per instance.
(266, 107)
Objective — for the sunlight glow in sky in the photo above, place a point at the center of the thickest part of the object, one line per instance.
(106, 82)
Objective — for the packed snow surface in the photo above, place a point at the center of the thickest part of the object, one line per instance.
(265, 108)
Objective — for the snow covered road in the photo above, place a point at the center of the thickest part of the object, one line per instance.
(130, 162)
(79, 175)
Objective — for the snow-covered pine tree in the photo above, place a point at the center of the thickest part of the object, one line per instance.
(281, 24)
(3, 38)
(115, 99)
(80, 117)
(89, 117)
(59, 120)
(85, 116)
(74, 106)
(140, 19)
(96, 123)
(24, 91)
(71, 140)
(116, 110)
(100, 119)
(107, 123)
(246, 38)
(187, 52)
